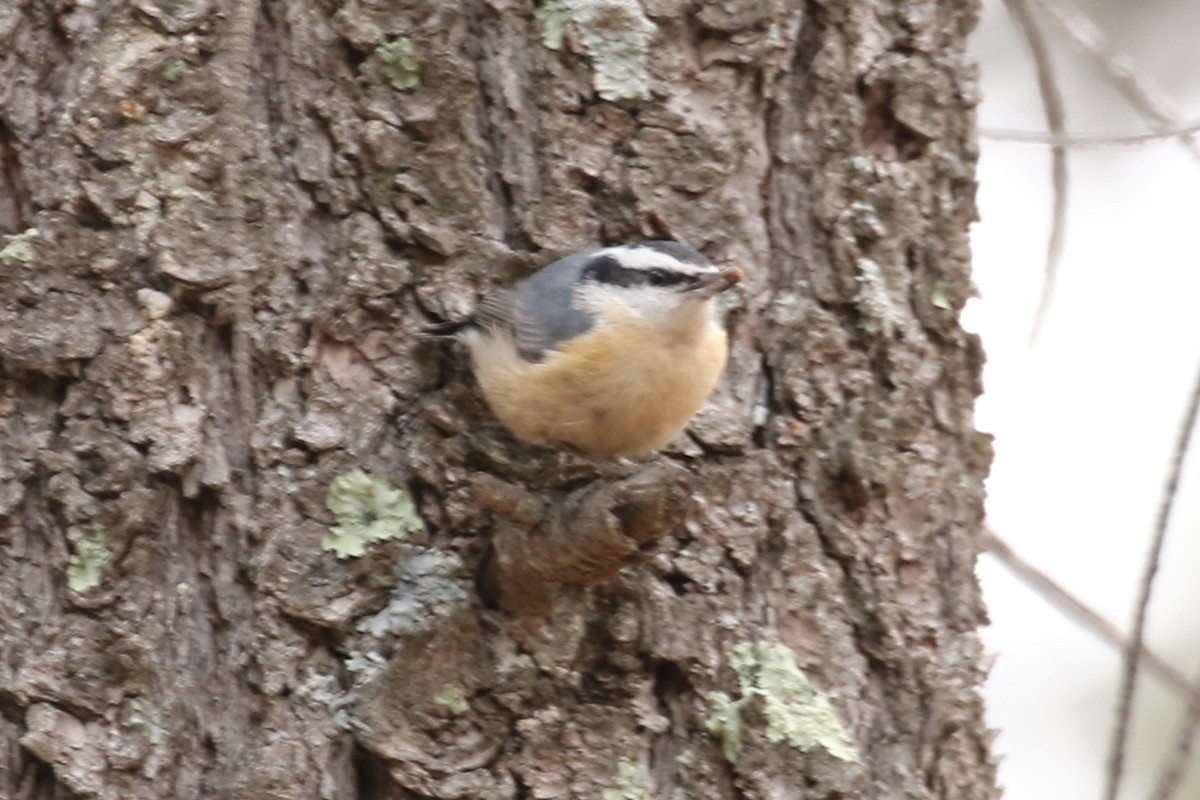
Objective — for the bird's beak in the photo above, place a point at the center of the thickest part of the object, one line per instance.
(713, 285)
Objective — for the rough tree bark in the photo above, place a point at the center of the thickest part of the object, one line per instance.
(228, 221)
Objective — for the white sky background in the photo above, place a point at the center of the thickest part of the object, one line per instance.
(1086, 419)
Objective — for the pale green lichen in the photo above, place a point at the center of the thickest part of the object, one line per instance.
(795, 712)
(941, 295)
(628, 784)
(401, 63)
(553, 15)
(87, 562)
(725, 722)
(174, 69)
(451, 696)
(20, 247)
(368, 509)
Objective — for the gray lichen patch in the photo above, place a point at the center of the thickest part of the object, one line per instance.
(429, 587)
(881, 314)
(615, 35)
(794, 711)
(368, 509)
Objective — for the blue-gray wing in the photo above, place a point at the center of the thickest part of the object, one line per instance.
(539, 313)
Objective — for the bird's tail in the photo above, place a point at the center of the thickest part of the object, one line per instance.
(444, 330)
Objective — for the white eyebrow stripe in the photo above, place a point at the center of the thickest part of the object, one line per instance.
(649, 258)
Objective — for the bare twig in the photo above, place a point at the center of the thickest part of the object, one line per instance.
(1141, 92)
(1079, 140)
(1133, 651)
(1052, 104)
(1155, 105)
(1087, 617)
(1172, 774)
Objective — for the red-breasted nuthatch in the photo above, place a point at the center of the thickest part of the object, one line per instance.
(609, 351)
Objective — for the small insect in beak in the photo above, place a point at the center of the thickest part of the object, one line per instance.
(712, 285)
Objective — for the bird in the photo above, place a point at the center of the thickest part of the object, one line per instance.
(609, 352)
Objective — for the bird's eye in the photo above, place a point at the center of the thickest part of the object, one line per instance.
(658, 277)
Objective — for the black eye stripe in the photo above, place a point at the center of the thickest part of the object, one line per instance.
(606, 269)
(662, 277)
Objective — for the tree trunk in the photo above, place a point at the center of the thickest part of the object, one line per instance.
(229, 221)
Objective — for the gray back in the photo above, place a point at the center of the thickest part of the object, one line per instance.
(539, 312)
(545, 301)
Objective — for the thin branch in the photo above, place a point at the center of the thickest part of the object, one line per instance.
(1122, 72)
(1133, 651)
(1172, 774)
(1080, 140)
(1052, 105)
(1087, 617)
